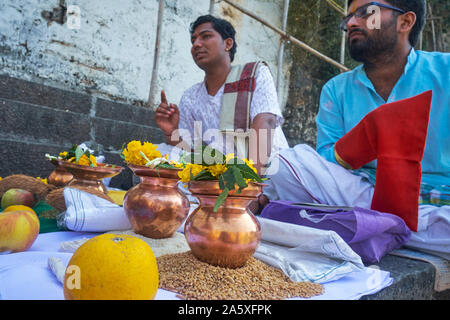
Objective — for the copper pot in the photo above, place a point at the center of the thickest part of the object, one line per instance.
(90, 177)
(155, 207)
(59, 177)
(228, 237)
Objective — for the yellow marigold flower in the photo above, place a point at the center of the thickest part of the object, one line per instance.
(229, 157)
(250, 163)
(93, 160)
(132, 152)
(149, 149)
(1, 178)
(44, 180)
(185, 174)
(63, 154)
(217, 169)
(85, 161)
(176, 164)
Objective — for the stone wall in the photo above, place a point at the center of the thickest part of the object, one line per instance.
(111, 52)
(63, 83)
(37, 119)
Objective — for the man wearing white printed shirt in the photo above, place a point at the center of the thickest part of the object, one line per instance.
(200, 108)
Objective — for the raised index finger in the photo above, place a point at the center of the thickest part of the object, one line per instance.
(163, 97)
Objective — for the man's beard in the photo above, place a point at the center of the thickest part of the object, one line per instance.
(381, 42)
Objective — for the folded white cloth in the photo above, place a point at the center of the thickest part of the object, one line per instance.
(304, 253)
(87, 212)
(27, 276)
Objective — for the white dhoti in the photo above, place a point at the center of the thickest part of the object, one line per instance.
(300, 174)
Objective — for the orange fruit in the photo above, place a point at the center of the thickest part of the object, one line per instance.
(112, 267)
(17, 207)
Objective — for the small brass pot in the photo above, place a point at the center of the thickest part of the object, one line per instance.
(228, 237)
(59, 177)
(90, 177)
(155, 207)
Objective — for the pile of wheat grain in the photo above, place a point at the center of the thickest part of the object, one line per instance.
(192, 279)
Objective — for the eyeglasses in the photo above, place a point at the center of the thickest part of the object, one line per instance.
(363, 12)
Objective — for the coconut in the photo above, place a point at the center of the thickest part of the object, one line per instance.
(24, 182)
(56, 197)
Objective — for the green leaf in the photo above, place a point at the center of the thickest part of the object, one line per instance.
(221, 182)
(202, 175)
(182, 158)
(78, 154)
(240, 181)
(248, 172)
(229, 179)
(221, 199)
(165, 166)
(205, 151)
(219, 157)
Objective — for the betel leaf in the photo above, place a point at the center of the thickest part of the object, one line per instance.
(221, 199)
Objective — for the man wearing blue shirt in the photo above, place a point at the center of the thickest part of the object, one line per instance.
(391, 70)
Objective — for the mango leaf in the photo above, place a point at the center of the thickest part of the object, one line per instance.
(229, 179)
(239, 179)
(221, 182)
(123, 148)
(182, 158)
(248, 172)
(165, 166)
(221, 199)
(204, 151)
(215, 154)
(202, 175)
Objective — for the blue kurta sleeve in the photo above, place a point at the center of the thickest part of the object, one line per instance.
(329, 122)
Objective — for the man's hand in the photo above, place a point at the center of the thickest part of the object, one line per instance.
(260, 144)
(167, 116)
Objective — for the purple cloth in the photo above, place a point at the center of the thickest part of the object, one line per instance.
(371, 234)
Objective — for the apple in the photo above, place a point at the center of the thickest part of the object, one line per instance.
(16, 196)
(18, 230)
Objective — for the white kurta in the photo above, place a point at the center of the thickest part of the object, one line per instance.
(300, 174)
(200, 113)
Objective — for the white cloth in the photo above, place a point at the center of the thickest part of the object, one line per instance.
(306, 254)
(300, 174)
(197, 105)
(87, 212)
(26, 275)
